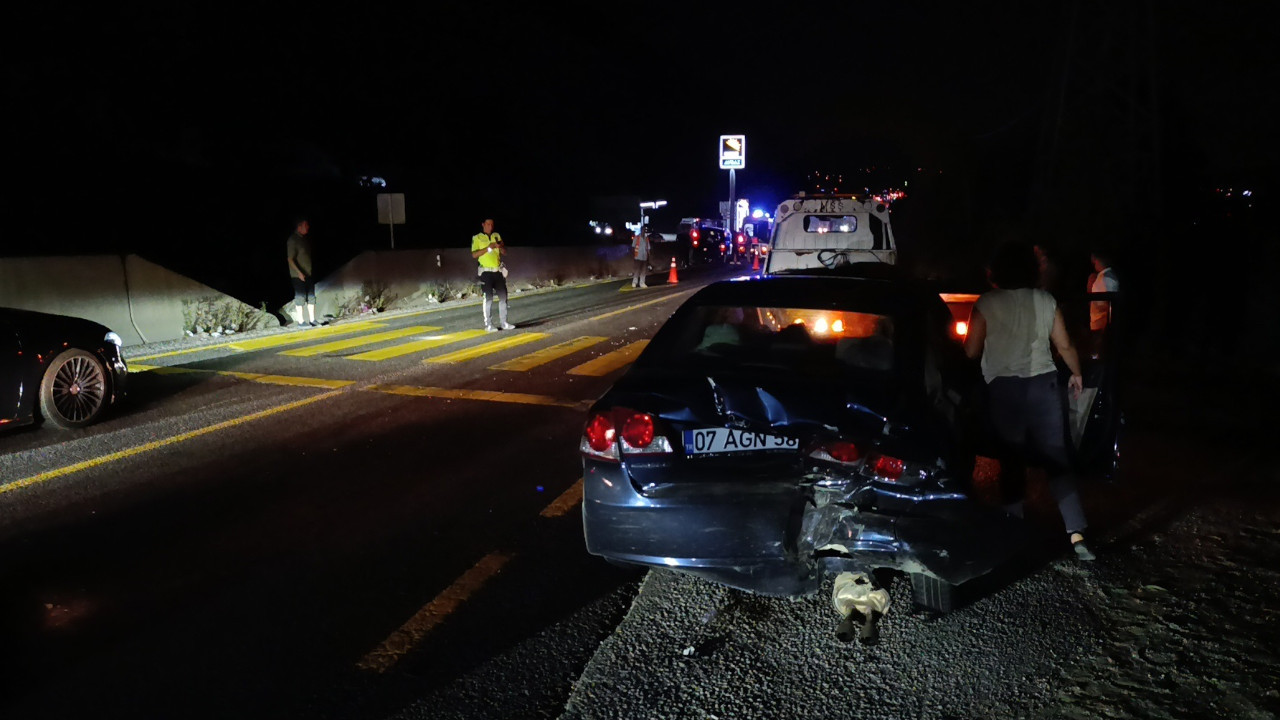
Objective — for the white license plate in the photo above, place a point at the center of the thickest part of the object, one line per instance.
(728, 440)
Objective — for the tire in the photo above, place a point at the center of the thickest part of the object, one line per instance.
(74, 390)
(932, 593)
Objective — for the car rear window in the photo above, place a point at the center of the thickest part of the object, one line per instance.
(794, 339)
(831, 223)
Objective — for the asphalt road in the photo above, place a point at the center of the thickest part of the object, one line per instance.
(332, 522)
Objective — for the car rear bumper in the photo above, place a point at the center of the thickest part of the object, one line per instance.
(771, 539)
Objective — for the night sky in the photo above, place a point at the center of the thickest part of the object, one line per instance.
(207, 126)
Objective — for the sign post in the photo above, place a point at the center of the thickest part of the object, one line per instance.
(733, 157)
(391, 212)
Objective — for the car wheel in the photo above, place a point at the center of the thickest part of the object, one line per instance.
(931, 593)
(73, 392)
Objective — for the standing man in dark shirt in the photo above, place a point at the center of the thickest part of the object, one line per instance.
(298, 250)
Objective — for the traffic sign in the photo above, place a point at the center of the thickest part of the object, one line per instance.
(733, 152)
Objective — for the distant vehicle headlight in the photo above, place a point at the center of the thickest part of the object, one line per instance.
(114, 339)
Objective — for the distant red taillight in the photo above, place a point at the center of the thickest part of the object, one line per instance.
(694, 235)
(695, 242)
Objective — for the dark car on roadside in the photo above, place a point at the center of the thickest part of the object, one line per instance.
(701, 243)
(63, 370)
(780, 430)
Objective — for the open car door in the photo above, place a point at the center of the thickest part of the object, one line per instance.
(1095, 419)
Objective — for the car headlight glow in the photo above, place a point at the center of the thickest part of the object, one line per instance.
(114, 339)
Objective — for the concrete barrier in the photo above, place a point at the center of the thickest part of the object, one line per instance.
(146, 303)
(139, 300)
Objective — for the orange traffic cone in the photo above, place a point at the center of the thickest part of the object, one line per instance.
(671, 276)
(755, 262)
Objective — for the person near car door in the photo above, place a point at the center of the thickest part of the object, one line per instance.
(1012, 329)
(1103, 280)
(298, 252)
(640, 258)
(487, 248)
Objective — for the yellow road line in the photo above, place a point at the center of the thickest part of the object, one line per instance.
(339, 345)
(407, 637)
(606, 364)
(488, 348)
(303, 335)
(148, 447)
(546, 355)
(485, 395)
(292, 380)
(637, 306)
(416, 346)
(268, 341)
(288, 380)
(566, 502)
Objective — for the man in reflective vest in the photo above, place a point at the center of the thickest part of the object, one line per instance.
(487, 248)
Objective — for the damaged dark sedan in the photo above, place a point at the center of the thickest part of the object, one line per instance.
(780, 430)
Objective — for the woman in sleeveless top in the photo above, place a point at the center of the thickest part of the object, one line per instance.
(1011, 330)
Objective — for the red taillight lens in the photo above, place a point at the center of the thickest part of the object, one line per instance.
(845, 452)
(695, 242)
(637, 430)
(600, 433)
(694, 235)
(840, 451)
(889, 468)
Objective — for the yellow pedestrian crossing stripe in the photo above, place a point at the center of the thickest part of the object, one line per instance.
(290, 338)
(347, 344)
(416, 346)
(546, 355)
(606, 364)
(486, 395)
(487, 348)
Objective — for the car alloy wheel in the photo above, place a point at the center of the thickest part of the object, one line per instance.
(73, 392)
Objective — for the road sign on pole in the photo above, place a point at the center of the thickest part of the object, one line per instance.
(391, 212)
(733, 152)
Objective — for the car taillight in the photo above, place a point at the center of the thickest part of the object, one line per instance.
(694, 235)
(599, 438)
(695, 242)
(638, 431)
(742, 239)
(845, 453)
(887, 468)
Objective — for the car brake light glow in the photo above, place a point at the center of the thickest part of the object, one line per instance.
(694, 235)
(695, 242)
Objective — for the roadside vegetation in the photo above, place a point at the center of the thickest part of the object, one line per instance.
(216, 315)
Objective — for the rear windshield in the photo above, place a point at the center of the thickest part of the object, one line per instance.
(824, 343)
(831, 223)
